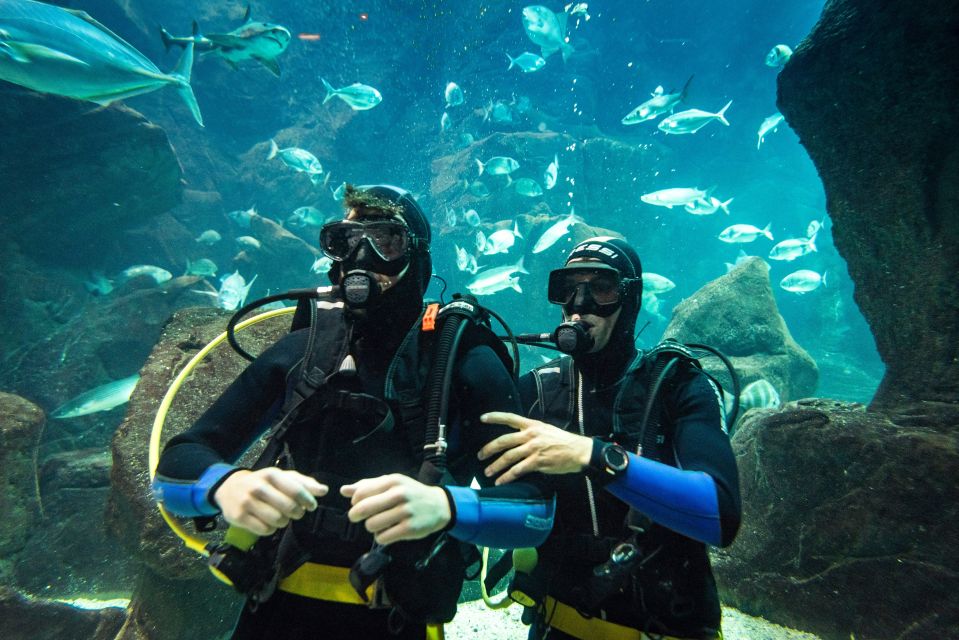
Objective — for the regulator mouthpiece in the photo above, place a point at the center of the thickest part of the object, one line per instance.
(573, 338)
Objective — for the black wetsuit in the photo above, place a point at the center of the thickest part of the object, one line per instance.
(237, 418)
(674, 593)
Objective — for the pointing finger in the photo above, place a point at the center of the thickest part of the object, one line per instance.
(502, 417)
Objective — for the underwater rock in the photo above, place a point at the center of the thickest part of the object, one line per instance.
(882, 130)
(82, 172)
(70, 555)
(169, 568)
(21, 426)
(849, 524)
(23, 618)
(737, 314)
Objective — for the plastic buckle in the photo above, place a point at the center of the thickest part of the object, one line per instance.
(429, 317)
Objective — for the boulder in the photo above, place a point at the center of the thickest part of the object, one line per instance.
(23, 618)
(849, 524)
(754, 337)
(174, 590)
(891, 179)
(20, 430)
(70, 555)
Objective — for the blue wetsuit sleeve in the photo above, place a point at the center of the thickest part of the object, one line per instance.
(192, 499)
(519, 514)
(500, 519)
(684, 501)
(700, 498)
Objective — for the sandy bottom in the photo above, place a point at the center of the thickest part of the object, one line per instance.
(475, 621)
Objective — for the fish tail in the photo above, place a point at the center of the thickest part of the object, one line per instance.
(516, 230)
(273, 149)
(767, 232)
(759, 143)
(812, 242)
(330, 91)
(824, 278)
(480, 165)
(725, 205)
(168, 39)
(182, 72)
(722, 114)
(512, 62)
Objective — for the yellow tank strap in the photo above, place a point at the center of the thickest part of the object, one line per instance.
(569, 620)
(326, 582)
(323, 582)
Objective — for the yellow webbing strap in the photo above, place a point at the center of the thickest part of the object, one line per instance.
(326, 582)
(569, 620)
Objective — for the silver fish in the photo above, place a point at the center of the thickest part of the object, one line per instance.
(657, 284)
(743, 233)
(527, 62)
(478, 188)
(360, 97)
(528, 187)
(259, 41)
(497, 279)
(498, 166)
(203, 267)
(656, 106)
(472, 218)
(453, 95)
(209, 237)
(501, 241)
(707, 206)
(306, 217)
(778, 56)
(103, 398)
(249, 242)
(298, 159)
(552, 173)
(480, 241)
(759, 394)
(675, 197)
(556, 231)
(243, 218)
(803, 281)
(159, 275)
(233, 291)
(793, 248)
(769, 124)
(68, 53)
(547, 30)
(692, 120)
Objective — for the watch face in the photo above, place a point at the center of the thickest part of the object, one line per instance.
(615, 458)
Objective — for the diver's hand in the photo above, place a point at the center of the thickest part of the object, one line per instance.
(265, 500)
(536, 446)
(397, 507)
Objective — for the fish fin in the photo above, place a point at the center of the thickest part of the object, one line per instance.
(682, 94)
(520, 267)
(824, 278)
(766, 232)
(28, 52)
(516, 230)
(512, 62)
(725, 205)
(811, 243)
(759, 143)
(246, 16)
(168, 39)
(271, 64)
(182, 72)
(330, 91)
(315, 178)
(273, 149)
(658, 91)
(481, 167)
(515, 285)
(722, 114)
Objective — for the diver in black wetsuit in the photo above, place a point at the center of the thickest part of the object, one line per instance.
(627, 555)
(349, 475)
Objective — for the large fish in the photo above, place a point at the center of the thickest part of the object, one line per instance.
(547, 30)
(497, 279)
(692, 120)
(102, 398)
(68, 53)
(656, 106)
(260, 41)
(556, 231)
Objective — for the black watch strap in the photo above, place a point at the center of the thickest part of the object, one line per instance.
(599, 470)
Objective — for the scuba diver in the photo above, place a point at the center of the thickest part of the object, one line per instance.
(644, 472)
(362, 514)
